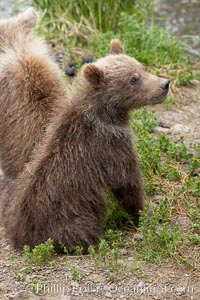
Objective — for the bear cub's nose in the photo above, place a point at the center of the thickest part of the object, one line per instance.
(165, 84)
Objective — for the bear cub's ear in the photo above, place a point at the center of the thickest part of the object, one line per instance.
(116, 47)
(93, 74)
(28, 19)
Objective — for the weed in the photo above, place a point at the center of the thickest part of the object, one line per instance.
(179, 151)
(194, 214)
(160, 240)
(116, 216)
(36, 286)
(76, 273)
(169, 100)
(12, 258)
(114, 236)
(53, 264)
(20, 276)
(1, 287)
(195, 162)
(173, 175)
(194, 238)
(78, 251)
(112, 277)
(40, 254)
(193, 186)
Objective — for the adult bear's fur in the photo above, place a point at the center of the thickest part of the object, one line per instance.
(86, 150)
(30, 84)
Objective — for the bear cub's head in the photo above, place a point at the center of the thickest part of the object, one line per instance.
(124, 81)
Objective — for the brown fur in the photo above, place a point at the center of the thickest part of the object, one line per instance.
(87, 149)
(30, 87)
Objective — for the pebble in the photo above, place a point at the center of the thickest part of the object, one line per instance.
(108, 295)
(87, 60)
(94, 277)
(141, 284)
(69, 71)
(195, 81)
(130, 259)
(123, 251)
(161, 130)
(24, 295)
(179, 129)
(138, 237)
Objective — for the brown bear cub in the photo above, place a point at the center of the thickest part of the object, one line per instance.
(86, 150)
(30, 84)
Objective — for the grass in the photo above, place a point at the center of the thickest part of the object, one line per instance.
(103, 15)
(137, 39)
(85, 28)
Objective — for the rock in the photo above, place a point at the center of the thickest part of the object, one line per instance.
(87, 60)
(195, 81)
(24, 295)
(179, 129)
(69, 71)
(161, 130)
(140, 284)
(138, 237)
(130, 259)
(123, 252)
(180, 291)
(108, 295)
(94, 278)
(73, 64)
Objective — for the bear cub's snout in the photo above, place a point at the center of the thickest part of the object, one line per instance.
(165, 84)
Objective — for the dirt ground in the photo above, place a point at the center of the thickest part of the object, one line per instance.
(150, 281)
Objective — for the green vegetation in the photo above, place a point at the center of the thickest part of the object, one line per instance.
(76, 273)
(86, 27)
(40, 254)
(102, 15)
(137, 39)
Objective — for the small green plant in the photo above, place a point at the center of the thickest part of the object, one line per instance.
(194, 238)
(27, 255)
(76, 273)
(114, 236)
(174, 175)
(195, 162)
(194, 165)
(1, 287)
(143, 124)
(20, 276)
(169, 100)
(193, 186)
(160, 238)
(78, 251)
(112, 277)
(40, 254)
(36, 286)
(184, 77)
(179, 151)
(106, 253)
(116, 217)
(12, 258)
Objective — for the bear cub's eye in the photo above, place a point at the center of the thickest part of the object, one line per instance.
(134, 79)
